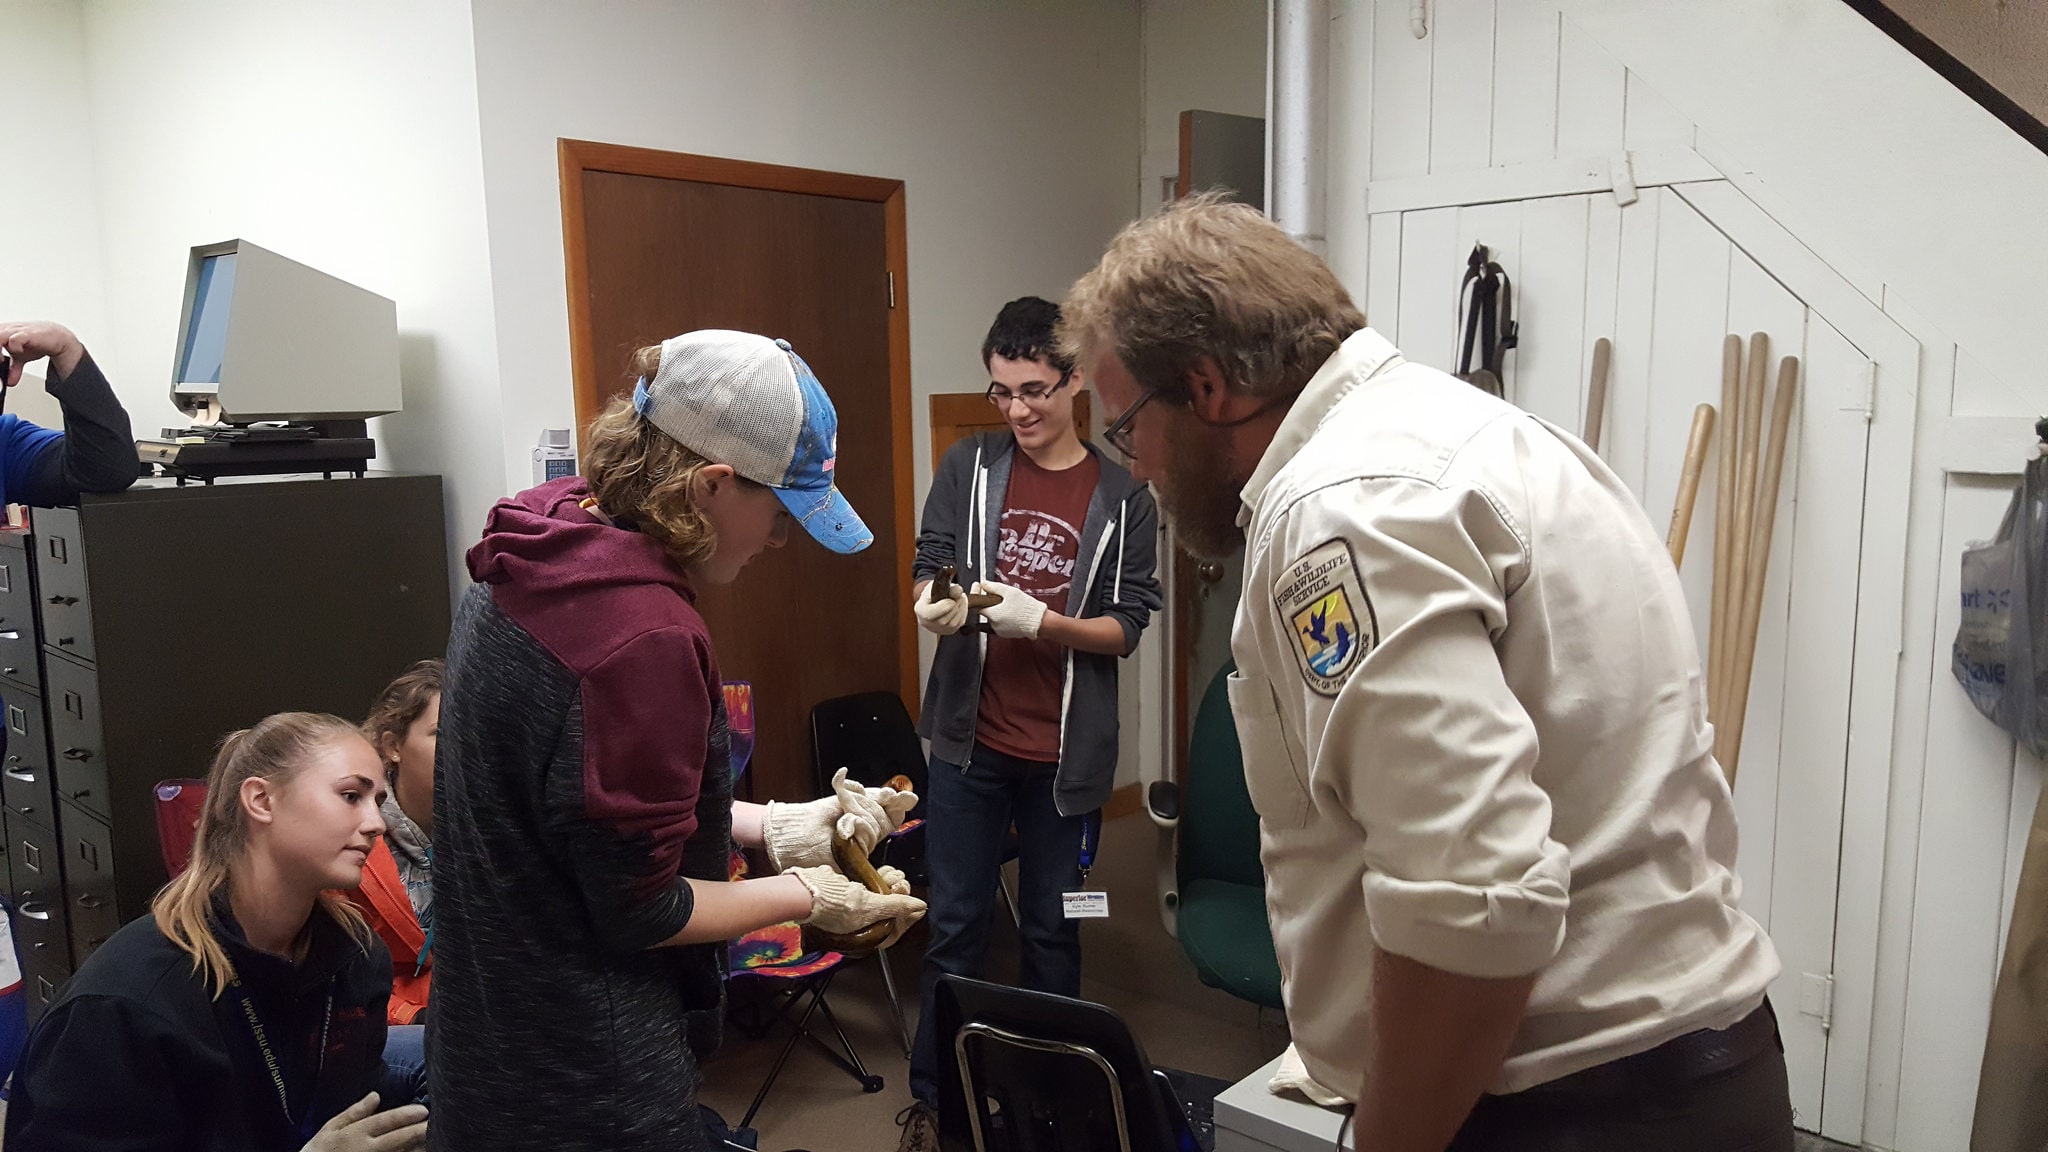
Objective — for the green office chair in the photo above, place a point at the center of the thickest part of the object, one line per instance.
(1213, 890)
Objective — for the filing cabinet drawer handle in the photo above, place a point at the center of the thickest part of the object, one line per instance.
(90, 902)
(33, 910)
(21, 774)
(78, 753)
(63, 641)
(63, 601)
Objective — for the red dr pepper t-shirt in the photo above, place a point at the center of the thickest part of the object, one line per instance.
(1038, 550)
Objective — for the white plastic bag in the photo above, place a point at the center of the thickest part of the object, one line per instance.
(2001, 647)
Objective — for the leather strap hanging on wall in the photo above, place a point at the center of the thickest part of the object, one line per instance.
(1488, 317)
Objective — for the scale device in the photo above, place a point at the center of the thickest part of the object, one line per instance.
(279, 366)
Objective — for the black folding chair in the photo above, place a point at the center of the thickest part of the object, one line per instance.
(1033, 1072)
(871, 736)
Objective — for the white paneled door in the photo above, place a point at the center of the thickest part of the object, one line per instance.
(1666, 285)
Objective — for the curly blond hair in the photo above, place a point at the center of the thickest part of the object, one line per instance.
(639, 473)
(1208, 278)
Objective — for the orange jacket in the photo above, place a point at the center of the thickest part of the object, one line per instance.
(386, 906)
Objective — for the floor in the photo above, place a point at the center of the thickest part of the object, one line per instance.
(1129, 963)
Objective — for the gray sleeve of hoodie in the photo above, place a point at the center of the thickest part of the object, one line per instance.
(939, 541)
(1133, 594)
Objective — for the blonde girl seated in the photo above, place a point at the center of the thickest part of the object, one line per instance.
(248, 1011)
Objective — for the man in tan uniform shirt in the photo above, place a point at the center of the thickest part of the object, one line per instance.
(1499, 853)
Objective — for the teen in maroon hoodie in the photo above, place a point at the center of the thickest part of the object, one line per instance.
(583, 803)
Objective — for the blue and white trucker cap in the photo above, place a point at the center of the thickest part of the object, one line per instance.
(752, 403)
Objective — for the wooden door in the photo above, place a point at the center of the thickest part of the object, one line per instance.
(958, 415)
(661, 243)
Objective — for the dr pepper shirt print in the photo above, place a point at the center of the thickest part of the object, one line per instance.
(1039, 551)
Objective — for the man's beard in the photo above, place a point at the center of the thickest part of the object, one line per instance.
(1201, 497)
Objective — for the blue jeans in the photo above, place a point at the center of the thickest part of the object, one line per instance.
(405, 1066)
(968, 814)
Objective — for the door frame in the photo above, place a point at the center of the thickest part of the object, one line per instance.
(575, 157)
(1855, 1076)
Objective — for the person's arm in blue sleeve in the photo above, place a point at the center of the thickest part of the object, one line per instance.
(96, 450)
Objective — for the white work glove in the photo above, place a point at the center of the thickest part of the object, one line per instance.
(899, 884)
(800, 835)
(840, 906)
(361, 1128)
(1292, 1076)
(943, 618)
(1017, 616)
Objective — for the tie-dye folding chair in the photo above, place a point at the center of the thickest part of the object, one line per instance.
(774, 957)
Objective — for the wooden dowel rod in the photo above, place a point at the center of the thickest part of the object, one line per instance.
(1596, 395)
(1760, 557)
(1749, 458)
(1724, 521)
(1689, 482)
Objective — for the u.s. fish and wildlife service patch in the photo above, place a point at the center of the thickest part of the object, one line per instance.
(1323, 604)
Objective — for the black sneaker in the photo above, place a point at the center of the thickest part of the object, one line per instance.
(920, 1129)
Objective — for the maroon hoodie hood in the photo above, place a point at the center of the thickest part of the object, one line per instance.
(609, 605)
(543, 544)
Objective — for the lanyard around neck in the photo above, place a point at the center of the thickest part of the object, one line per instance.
(304, 1124)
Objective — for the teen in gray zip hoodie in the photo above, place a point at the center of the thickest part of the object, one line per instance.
(1117, 555)
(1023, 727)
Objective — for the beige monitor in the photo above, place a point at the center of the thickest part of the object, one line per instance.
(262, 337)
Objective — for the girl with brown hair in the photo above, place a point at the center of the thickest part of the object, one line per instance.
(248, 1011)
(397, 894)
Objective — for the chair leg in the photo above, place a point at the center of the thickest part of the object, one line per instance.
(868, 1081)
(817, 995)
(895, 1001)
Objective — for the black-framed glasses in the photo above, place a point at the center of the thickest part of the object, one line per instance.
(1032, 394)
(1124, 440)
(1120, 434)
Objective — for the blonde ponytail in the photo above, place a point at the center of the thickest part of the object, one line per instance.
(275, 749)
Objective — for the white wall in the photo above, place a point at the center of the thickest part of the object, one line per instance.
(1014, 128)
(410, 148)
(1879, 164)
(1929, 209)
(340, 134)
(52, 267)
(1199, 55)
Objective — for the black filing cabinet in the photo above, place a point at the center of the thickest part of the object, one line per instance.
(139, 628)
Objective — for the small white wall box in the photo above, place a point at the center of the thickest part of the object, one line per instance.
(262, 337)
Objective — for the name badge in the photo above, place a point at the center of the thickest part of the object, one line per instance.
(1084, 905)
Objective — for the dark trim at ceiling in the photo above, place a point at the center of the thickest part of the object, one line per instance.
(1955, 72)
